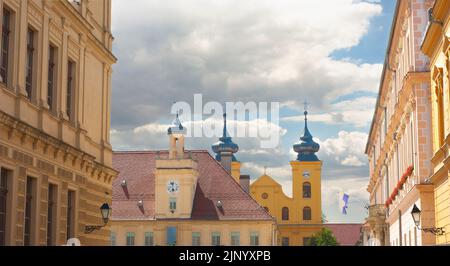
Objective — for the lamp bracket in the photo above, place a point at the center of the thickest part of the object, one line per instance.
(91, 228)
(435, 231)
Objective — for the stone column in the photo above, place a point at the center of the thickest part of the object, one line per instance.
(62, 233)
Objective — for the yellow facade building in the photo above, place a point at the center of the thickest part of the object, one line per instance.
(184, 198)
(399, 147)
(436, 45)
(298, 217)
(55, 152)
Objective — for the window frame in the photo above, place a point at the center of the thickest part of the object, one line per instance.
(215, 236)
(52, 206)
(52, 70)
(196, 236)
(30, 209)
(30, 64)
(235, 241)
(70, 89)
(149, 239)
(5, 49)
(5, 177)
(307, 211)
(130, 239)
(71, 207)
(254, 239)
(305, 186)
(285, 214)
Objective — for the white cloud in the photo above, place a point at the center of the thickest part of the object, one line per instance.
(347, 148)
(357, 112)
(227, 50)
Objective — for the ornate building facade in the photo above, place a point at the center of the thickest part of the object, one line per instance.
(298, 217)
(437, 46)
(400, 144)
(181, 197)
(55, 90)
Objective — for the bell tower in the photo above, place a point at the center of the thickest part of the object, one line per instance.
(306, 174)
(175, 177)
(225, 149)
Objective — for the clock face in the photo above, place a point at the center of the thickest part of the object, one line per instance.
(173, 186)
(306, 174)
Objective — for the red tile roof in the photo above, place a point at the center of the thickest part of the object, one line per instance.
(346, 234)
(214, 184)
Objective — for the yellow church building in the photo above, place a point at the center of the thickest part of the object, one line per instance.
(436, 45)
(298, 217)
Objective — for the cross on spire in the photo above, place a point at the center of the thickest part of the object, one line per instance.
(265, 169)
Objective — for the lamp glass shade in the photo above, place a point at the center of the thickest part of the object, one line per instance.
(416, 215)
(105, 210)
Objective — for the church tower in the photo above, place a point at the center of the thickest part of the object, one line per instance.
(175, 177)
(306, 174)
(225, 149)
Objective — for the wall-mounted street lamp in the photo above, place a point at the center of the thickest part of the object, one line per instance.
(105, 211)
(416, 217)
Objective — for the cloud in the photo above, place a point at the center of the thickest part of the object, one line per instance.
(256, 132)
(235, 50)
(357, 112)
(347, 148)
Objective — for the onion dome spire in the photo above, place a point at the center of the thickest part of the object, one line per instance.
(225, 143)
(176, 127)
(306, 147)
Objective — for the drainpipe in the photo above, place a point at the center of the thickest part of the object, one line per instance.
(400, 227)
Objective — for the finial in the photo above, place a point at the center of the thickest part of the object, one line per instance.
(265, 169)
(224, 124)
(306, 110)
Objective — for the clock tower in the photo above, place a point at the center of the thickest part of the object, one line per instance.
(175, 177)
(306, 175)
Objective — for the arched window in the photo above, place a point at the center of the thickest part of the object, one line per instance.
(307, 213)
(285, 214)
(306, 190)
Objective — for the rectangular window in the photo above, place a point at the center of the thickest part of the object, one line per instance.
(51, 82)
(285, 241)
(6, 31)
(3, 204)
(30, 63)
(172, 204)
(113, 239)
(148, 238)
(215, 239)
(70, 89)
(130, 239)
(70, 214)
(195, 238)
(30, 206)
(254, 239)
(235, 239)
(51, 214)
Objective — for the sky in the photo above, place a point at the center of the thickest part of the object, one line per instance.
(328, 53)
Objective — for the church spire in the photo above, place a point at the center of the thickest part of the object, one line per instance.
(306, 147)
(225, 148)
